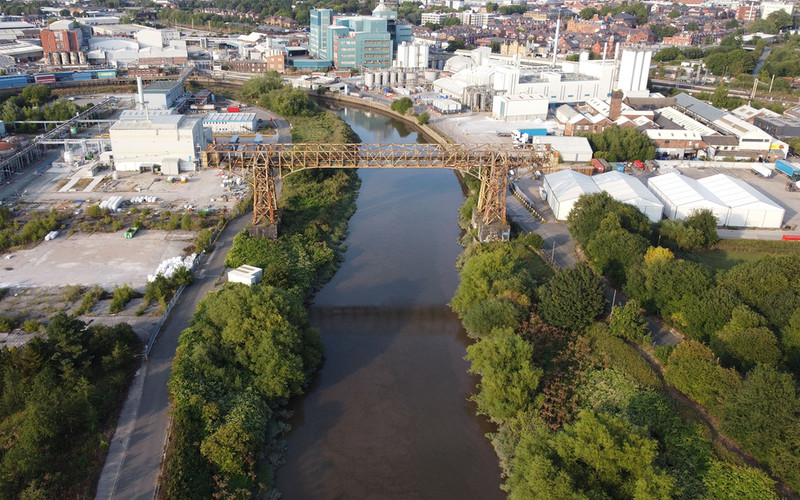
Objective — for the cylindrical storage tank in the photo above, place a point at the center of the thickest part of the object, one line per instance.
(411, 80)
(386, 78)
(401, 79)
(378, 79)
(431, 75)
(68, 157)
(440, 64)
(82, 57)
(64, 58)
(369, 80)
(73, 58)
(394, 77)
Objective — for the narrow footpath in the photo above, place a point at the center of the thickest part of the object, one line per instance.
(135, 457)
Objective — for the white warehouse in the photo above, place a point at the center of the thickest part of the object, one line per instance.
(564, 188)
(231, 122)
(749, 207)
(630, 190)
(173, 140)
(682, 195)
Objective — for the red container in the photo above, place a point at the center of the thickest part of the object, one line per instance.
(233, 109)
(791, 237)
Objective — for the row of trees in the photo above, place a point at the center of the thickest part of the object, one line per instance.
(58, 397)
(249, 349)
(744, 323)
(639, 10)
(580, 413)
(31, 105)
(615, 144)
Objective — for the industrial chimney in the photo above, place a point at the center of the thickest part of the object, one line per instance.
(140, 92)
(616, 105)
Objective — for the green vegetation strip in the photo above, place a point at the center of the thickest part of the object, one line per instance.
(580, 412)
(59, 397)
(249, 349)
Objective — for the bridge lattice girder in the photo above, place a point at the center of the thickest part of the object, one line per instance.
(261, 164)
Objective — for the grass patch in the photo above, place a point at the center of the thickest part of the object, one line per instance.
(722, 260)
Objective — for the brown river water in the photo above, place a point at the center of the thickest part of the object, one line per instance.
(388, 416)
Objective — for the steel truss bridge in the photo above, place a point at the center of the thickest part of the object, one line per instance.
(262, 164)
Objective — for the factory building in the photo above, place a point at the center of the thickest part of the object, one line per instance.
(682, 195)
(172, 142)
(230, 122)
(162, 94)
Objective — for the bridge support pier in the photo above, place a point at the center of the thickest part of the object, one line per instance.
(264, 230)
(487, 233)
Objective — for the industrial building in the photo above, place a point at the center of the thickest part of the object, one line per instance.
(571, 149)
(357, 41)
(630, 190)
(749, 207)
(563, 189)
(230, 122)
(682, 195)
(171, 142)
(520, 107)
(162, 94)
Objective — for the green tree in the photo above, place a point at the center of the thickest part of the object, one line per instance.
(508, 377)
(731, 24)
(451, 21)
(402, 105)
(454, 45)
(423, 118)
(589, 212)
(588, 12)
(492, 6)
(613, 250)
(745, 341)
(674, 14)
(724, 481)
(764, 416)
(692, 368)
(36, 94)
(692, 26)
(572, 298)
(626, 322)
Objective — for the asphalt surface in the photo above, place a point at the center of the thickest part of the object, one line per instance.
(132, 469)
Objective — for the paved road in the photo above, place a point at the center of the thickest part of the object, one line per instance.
(131, 472)
(761, 60)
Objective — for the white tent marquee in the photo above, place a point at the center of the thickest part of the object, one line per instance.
(564, 188)
(682, 195)
(630, 190)
(748, 206)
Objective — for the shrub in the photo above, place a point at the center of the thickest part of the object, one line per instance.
(572, 298)
(423, 118)
(89, 299)
(202, 241)
(31, 326)
(122, 295)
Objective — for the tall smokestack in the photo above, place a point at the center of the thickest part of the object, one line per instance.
(616, 52)
(140, 92)
(605, 49)
(555, 42)
(615, 110)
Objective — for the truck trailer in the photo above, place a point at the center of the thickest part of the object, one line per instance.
(524, 135)
(791, 170)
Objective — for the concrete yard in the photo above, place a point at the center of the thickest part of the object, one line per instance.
(103, 259)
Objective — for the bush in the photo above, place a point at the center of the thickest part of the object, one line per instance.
(203, 241)
(71, 293)
(402, 105)
(693, 369)
(122, 295)
(572, 298)
(423, 118)
(89, 299)
(31, 326)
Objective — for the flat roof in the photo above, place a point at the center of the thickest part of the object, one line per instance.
(164, 122)
(229, 117)
(161, 85)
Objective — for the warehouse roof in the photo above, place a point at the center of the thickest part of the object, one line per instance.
(682, 190)
(737, 193)
(569, 184)
(160, 86)
(698, 107)
(626, 188)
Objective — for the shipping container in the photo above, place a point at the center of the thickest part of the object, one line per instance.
(107, 74)
(233, 109)
(82, 75)
(14, 81)
(44, 78)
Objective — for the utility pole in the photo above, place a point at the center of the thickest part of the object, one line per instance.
(771, 82)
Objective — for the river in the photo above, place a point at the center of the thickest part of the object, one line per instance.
(387, 415)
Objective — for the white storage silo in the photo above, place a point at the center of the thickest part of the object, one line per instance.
(369, 80)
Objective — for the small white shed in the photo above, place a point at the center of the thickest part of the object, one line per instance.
(245, 274)
(749, 207)
(682, 195)
(628, 189)
(564, 188)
